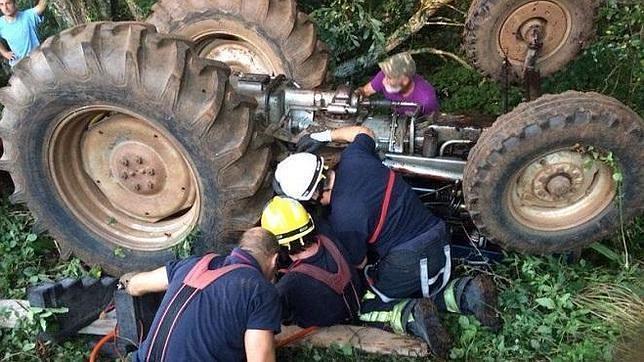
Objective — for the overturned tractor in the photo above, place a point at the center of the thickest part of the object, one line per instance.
(123, 141)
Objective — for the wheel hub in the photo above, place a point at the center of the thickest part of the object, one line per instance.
(561, 190)
(137, 169)
(547, 17)
(241, 56)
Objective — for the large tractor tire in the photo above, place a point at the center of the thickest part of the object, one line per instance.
(496, 28)
(547, 177)
(259, 36)
(123, 143)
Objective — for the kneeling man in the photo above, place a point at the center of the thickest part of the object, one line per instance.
(215, 308)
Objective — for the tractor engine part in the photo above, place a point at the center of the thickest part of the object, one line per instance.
(259, 36)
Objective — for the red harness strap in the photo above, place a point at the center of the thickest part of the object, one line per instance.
(384, 209)
(337, 281)
(199, 277)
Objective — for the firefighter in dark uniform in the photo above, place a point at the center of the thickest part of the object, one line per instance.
(216, 308)
(373, 209)
(321, 288)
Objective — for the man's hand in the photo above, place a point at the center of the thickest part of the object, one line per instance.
(8, 55)
(313, 142)
(137, 284)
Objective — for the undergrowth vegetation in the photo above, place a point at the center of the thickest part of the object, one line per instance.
(553, 308)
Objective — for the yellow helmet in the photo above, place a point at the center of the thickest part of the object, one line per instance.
(287, 219)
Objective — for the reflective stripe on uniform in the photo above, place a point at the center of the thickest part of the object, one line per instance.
(449, 296)
(393, 317)
(446, 271)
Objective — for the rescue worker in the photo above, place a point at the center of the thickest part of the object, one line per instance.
(19, 29)
(397, 81)
(373, 209)
(321, 288)
(215, 308)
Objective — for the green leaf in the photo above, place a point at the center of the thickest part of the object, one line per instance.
(32, 237)
(346, 350)
(118, 252)
(618, 177)
(546, 302)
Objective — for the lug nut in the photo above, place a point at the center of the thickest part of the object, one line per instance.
(151, 172)
(139, 160)
(137, 187)
(124, 175)
(125, 162)
(151, 185)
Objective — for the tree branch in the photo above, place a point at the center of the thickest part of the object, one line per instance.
(415, 23)
(441, 53)
(135, 10)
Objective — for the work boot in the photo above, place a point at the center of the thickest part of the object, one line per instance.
(480, 299)
(425, 323)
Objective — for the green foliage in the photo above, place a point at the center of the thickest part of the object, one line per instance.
(359, 27)
(22, 343)
(614, 63)
(465, 91)
(184, 248)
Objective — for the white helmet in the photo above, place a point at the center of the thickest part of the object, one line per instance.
(299, 175)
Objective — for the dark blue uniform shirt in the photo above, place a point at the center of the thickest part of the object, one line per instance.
(309, 302)
(213, 325)
(356, 201)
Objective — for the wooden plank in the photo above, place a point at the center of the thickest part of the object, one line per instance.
(11, 311)
(367, 339)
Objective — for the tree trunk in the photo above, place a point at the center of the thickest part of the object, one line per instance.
(135, 10)
(75, 12)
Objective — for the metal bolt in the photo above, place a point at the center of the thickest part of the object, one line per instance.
(151, 172)
(124, 175)
(137, 187)
(125, 162)
(151, 185)
(133, 173)
(139, 160)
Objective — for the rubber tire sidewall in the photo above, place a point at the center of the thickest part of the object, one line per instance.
(85, 244)
(490, 59)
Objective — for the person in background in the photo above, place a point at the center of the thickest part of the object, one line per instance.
(19, 29)
(216, 308)
(397, 81)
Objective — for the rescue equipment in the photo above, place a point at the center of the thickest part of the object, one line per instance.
(340, 281)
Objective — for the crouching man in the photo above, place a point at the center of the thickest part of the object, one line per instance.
(216, 308)
(321, 288)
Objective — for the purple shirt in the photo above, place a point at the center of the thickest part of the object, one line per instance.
(423, 93)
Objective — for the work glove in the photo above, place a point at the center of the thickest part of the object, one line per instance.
(313, 142)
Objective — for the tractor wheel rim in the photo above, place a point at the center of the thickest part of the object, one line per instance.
(550, 16)
(124, 178)
(560, 190)
(241, 55)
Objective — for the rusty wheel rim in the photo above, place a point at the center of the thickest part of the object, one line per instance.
(241, 55)
(124, 178)
(553, 18)
(560, 190)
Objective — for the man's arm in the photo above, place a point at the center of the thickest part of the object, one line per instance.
(147, 282)
(348, 134)
(366, 90)
(260, 345)
(6, 53)
(41, 7)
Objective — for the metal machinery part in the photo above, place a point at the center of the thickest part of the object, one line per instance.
(401, 138)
